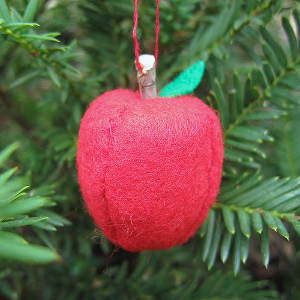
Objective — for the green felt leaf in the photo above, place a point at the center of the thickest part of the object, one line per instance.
(186, 82)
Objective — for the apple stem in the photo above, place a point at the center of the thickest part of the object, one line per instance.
(147, 78)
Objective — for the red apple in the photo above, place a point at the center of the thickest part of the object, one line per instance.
(149, 170)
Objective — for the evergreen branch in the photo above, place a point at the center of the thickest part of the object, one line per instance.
(15, 209)
(223, 231)
(33, 44)
(262, 97)
(250, 210)
(24, 42)
(247, 104)
(240, 24)
(250, 203)
(229, 287)
(273, 199)
(196, 50)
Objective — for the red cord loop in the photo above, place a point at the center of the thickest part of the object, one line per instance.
(135, 40)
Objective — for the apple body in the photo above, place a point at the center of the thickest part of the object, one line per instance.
(149, 170)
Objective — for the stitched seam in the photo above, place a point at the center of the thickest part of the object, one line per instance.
(112, 124)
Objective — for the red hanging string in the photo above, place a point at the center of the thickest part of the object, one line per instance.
(156, 32)
(135, 40)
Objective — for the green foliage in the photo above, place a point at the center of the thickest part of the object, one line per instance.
(226, 286)
(16, 208)
(56, 56)
(287, 147)
(253, 203)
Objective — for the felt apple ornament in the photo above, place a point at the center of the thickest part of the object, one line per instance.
(149, 170)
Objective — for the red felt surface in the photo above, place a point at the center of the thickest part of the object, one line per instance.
(149, 170)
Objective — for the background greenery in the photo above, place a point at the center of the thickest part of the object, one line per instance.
(56, 56)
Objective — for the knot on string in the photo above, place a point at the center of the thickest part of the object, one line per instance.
(135, 40)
